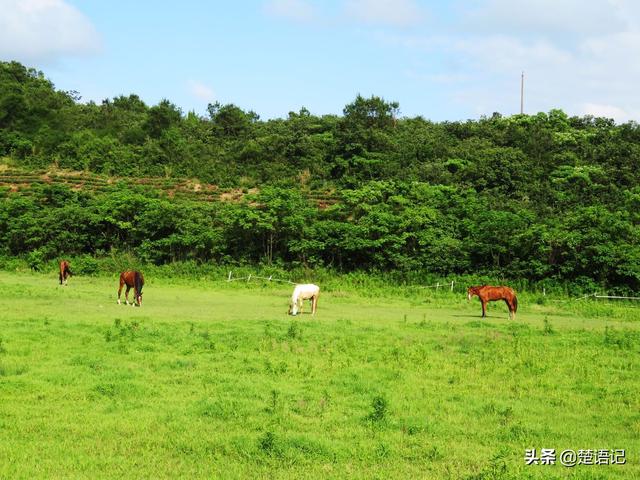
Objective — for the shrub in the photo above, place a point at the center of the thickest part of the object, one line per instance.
(380, 409)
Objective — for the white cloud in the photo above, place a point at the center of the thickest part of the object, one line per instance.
(547, 17)
(442, 77)
(384, 13)
(607, 111)
(201, 91)
(577, 56)
(617, 48)
(297, 10)
(44, 30)
(509, 54)
(394, 13)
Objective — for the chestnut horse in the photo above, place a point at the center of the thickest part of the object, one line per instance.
(65, 272)
(132, 279)
(487, 293)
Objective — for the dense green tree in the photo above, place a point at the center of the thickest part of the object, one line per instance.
(532, 196)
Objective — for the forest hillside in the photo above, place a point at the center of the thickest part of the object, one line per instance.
(544, 196)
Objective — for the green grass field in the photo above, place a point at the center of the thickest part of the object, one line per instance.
(214, 380)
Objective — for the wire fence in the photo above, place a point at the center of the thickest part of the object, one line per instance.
(450, 286)
(439, 285)
(248, 278)
(613, 297)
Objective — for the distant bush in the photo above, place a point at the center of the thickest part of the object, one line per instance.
(36, 260)
(85, 265)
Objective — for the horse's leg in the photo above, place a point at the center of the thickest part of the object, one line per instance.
(314, 304)
(126, 295)
(484, 307)
(120, 291)
(301, 300)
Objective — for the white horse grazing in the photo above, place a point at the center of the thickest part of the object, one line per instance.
(304, 292)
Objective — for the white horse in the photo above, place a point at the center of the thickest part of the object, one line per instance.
(304, 292)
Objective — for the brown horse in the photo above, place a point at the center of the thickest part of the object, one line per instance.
(132, 279)
(487, 293)
(65, 272)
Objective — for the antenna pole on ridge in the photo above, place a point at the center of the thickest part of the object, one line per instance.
(522, 93)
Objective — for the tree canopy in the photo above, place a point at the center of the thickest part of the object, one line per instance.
(535, 196)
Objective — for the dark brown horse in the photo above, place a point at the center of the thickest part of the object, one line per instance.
(487, 293)
(65, 272)
(132, 279)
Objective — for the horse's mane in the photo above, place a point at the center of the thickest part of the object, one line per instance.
(137, 280)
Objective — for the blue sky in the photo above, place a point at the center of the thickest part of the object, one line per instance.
(442, 60)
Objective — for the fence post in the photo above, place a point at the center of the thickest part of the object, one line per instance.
(544, 292)
(248, 278)
(452, 285)
(270, 277)
(437, 286)
(229, 278)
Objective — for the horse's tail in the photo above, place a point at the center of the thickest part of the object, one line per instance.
(515, 303)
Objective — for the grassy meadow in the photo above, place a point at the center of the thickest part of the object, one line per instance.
(214, 380)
